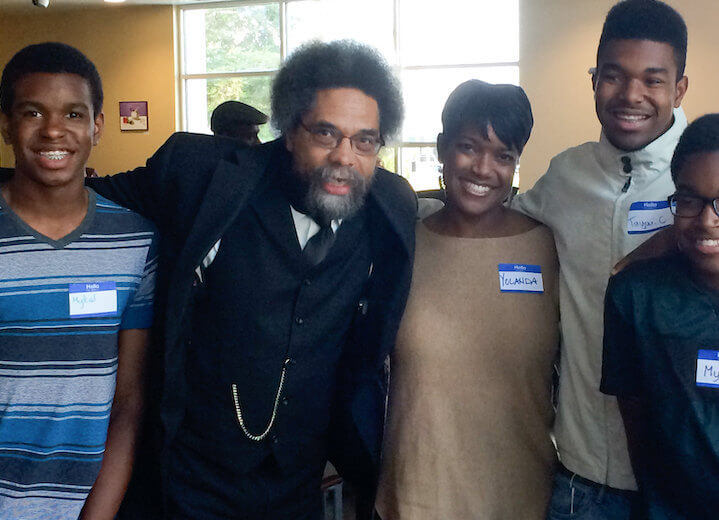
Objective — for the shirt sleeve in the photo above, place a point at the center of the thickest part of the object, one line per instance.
(139, 311)
(532, 202)
(620, 361)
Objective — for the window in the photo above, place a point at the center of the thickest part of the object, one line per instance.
(232, 50)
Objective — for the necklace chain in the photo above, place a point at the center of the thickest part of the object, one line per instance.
(238, 409)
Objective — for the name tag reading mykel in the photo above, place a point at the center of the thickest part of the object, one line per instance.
(93, 299)
(523, 278)
(708, 368)
(648, 216)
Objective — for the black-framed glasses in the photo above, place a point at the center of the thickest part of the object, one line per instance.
(690, 206)
(330, 137)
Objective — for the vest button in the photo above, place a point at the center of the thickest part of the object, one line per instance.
(285, 401)
(299, 321)
(307, 282)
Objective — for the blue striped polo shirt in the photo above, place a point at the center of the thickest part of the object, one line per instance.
(62, 305)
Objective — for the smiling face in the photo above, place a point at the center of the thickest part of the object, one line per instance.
(338, 177)
(635, 90)
(478, 173)
(698, 237)
(51, 128)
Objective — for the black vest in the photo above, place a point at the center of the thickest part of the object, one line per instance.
(260, 304)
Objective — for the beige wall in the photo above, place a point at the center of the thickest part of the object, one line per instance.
(132, 48)
(558, 44)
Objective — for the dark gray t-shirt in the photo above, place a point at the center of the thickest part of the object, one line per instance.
(661, 344)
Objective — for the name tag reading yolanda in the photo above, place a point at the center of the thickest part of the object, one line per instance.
(649, 216)
(708, 368)
(524, 278)
(93, 299)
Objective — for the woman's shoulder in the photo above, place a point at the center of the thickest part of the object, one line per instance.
(534, 236)
(520, 224)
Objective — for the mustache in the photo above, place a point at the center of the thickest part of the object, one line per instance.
(324, 206)
(340, 173)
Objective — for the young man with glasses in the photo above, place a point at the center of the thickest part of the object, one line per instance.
(284, 272)
(661, 345)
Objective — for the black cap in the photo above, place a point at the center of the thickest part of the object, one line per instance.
(231, 113)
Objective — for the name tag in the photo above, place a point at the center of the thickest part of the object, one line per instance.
(523, 278)
(93, 299)
(708, 368)
(649, 216)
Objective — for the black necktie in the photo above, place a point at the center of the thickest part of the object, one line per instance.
(318, 245)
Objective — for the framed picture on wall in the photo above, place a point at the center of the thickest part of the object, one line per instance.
(133, 116)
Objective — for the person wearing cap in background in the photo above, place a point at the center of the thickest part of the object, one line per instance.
(238, 121)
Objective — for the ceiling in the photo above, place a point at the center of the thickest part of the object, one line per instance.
(26, 5)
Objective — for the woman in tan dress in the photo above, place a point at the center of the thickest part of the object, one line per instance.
(468, 430)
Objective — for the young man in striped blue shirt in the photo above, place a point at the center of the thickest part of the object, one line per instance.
(76, 292)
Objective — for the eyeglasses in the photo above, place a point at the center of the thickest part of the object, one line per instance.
(330, 137)
(691, 205)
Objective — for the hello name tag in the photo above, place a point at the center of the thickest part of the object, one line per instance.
(649, 216)
(708, 368)
(523, 278)
(93, 299)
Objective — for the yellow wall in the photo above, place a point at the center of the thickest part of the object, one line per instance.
(132, 48)
(558, 44)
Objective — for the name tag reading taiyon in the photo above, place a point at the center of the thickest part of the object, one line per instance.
(93, 299)
(649, 216)
(523, 278)
(708, 368)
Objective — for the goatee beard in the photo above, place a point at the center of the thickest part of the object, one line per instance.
(324, 206)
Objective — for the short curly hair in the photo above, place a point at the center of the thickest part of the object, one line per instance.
(646, 20)
(51, 57)
(339, 64)
(702, 136)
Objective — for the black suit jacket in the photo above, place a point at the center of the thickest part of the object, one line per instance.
(192, 188)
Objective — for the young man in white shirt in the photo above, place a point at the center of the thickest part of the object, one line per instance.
(601, 200)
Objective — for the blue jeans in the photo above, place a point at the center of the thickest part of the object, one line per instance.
(573, 499)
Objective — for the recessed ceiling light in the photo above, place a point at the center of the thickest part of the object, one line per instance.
(114, 1)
